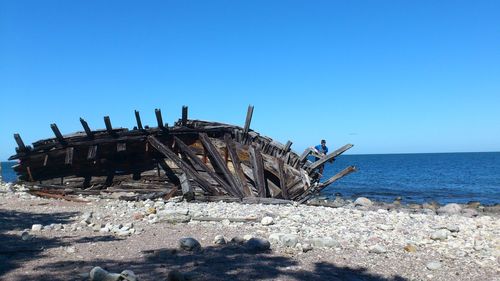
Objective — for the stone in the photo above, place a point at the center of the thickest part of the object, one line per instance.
(473, 204)
(138, 216)
(306, 247)
(151, 210)
(225, 222)
(433, 265)
(25, 236)
(377, 249)
(450, 209)
(453, 228)
(440, 235)
(289, 240)
(385, 227)
(97, 227)
(470, 213)
(247, 237)
(430, 206)
(99, 274)
(238, 240)
(410, 248)
(325, 242)
(189, 244)
(36, 227)
(70, 250)
(363, 201)
(258, 244)
(128, 275)
(275, 237)
(219, 240)
(267, 221)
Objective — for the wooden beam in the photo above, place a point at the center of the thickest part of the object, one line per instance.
(248, 120)
(217, 161)
(92, 152)
(68, 159)
(107, 122)
(184, 115)
(121, 146)
(328, 157)
(58, 134)
(321, 186)
(240, 176)
(172, 177)
(138, 120)
(167, 152)
(192, 156)
(159, 118)
(258, 170)
(282, 176)
(287, 147)
(86, 127)
(20, 144)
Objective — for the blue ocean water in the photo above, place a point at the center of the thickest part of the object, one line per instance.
(418, 178)
(8, 174)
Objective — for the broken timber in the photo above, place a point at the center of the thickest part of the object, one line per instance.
(202, 160)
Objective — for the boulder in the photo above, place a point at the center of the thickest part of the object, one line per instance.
(289, 240)
(258, 244)
(267, 221)
(450, 209)
(219, 240)
(363, 201)
(440, 235)
(189, 244)
(36, 227)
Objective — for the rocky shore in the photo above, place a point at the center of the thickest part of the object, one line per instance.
(49, 239)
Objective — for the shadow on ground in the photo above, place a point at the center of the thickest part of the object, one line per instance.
(14, 251)
(230, 262)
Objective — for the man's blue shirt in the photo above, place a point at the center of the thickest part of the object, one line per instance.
(320, 148)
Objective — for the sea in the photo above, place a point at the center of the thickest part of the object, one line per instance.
(416, 178)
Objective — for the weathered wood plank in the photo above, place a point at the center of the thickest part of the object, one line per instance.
(321, 186)
(328, 157)
(240, 176)
(167, 152)
(20, 144)
(218, 161)
(68, 160)
(248, 119)
(107, 123)
(282, 176)
(92, 152)
(138, 120)
(192, 156)
(86, 128)
(58, 134)
(258, 170)
(184, 115)
(159, 118)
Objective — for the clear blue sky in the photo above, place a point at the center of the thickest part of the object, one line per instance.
(388, 76)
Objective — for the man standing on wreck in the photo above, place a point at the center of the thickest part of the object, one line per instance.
(322, 150)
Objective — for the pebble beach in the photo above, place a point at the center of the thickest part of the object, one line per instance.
(53, 239)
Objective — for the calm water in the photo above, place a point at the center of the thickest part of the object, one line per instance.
(443, 177)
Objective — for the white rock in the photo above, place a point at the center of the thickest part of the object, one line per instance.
(225, 222)
(363, 201)
(450, 209)
(377, 249)
(219, 240)
(440, 235)
(289, 240)
(36, 227)
(267, 221)
(433, 265)
(247, 237)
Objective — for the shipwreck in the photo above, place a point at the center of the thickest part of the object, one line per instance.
(201, 160)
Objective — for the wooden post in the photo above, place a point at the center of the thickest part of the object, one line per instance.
(20, 143)
(216, 160)
(184, 115)
(240, 176)
(107, 122)
(86, 127)
(282, 176)
(258, 170)
(138, 119)
(287, 147)
(328, 157)
(58, 134)
(194, 159)
(159, 118)
(248, 120)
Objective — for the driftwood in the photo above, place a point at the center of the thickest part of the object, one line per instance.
(204, 161)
